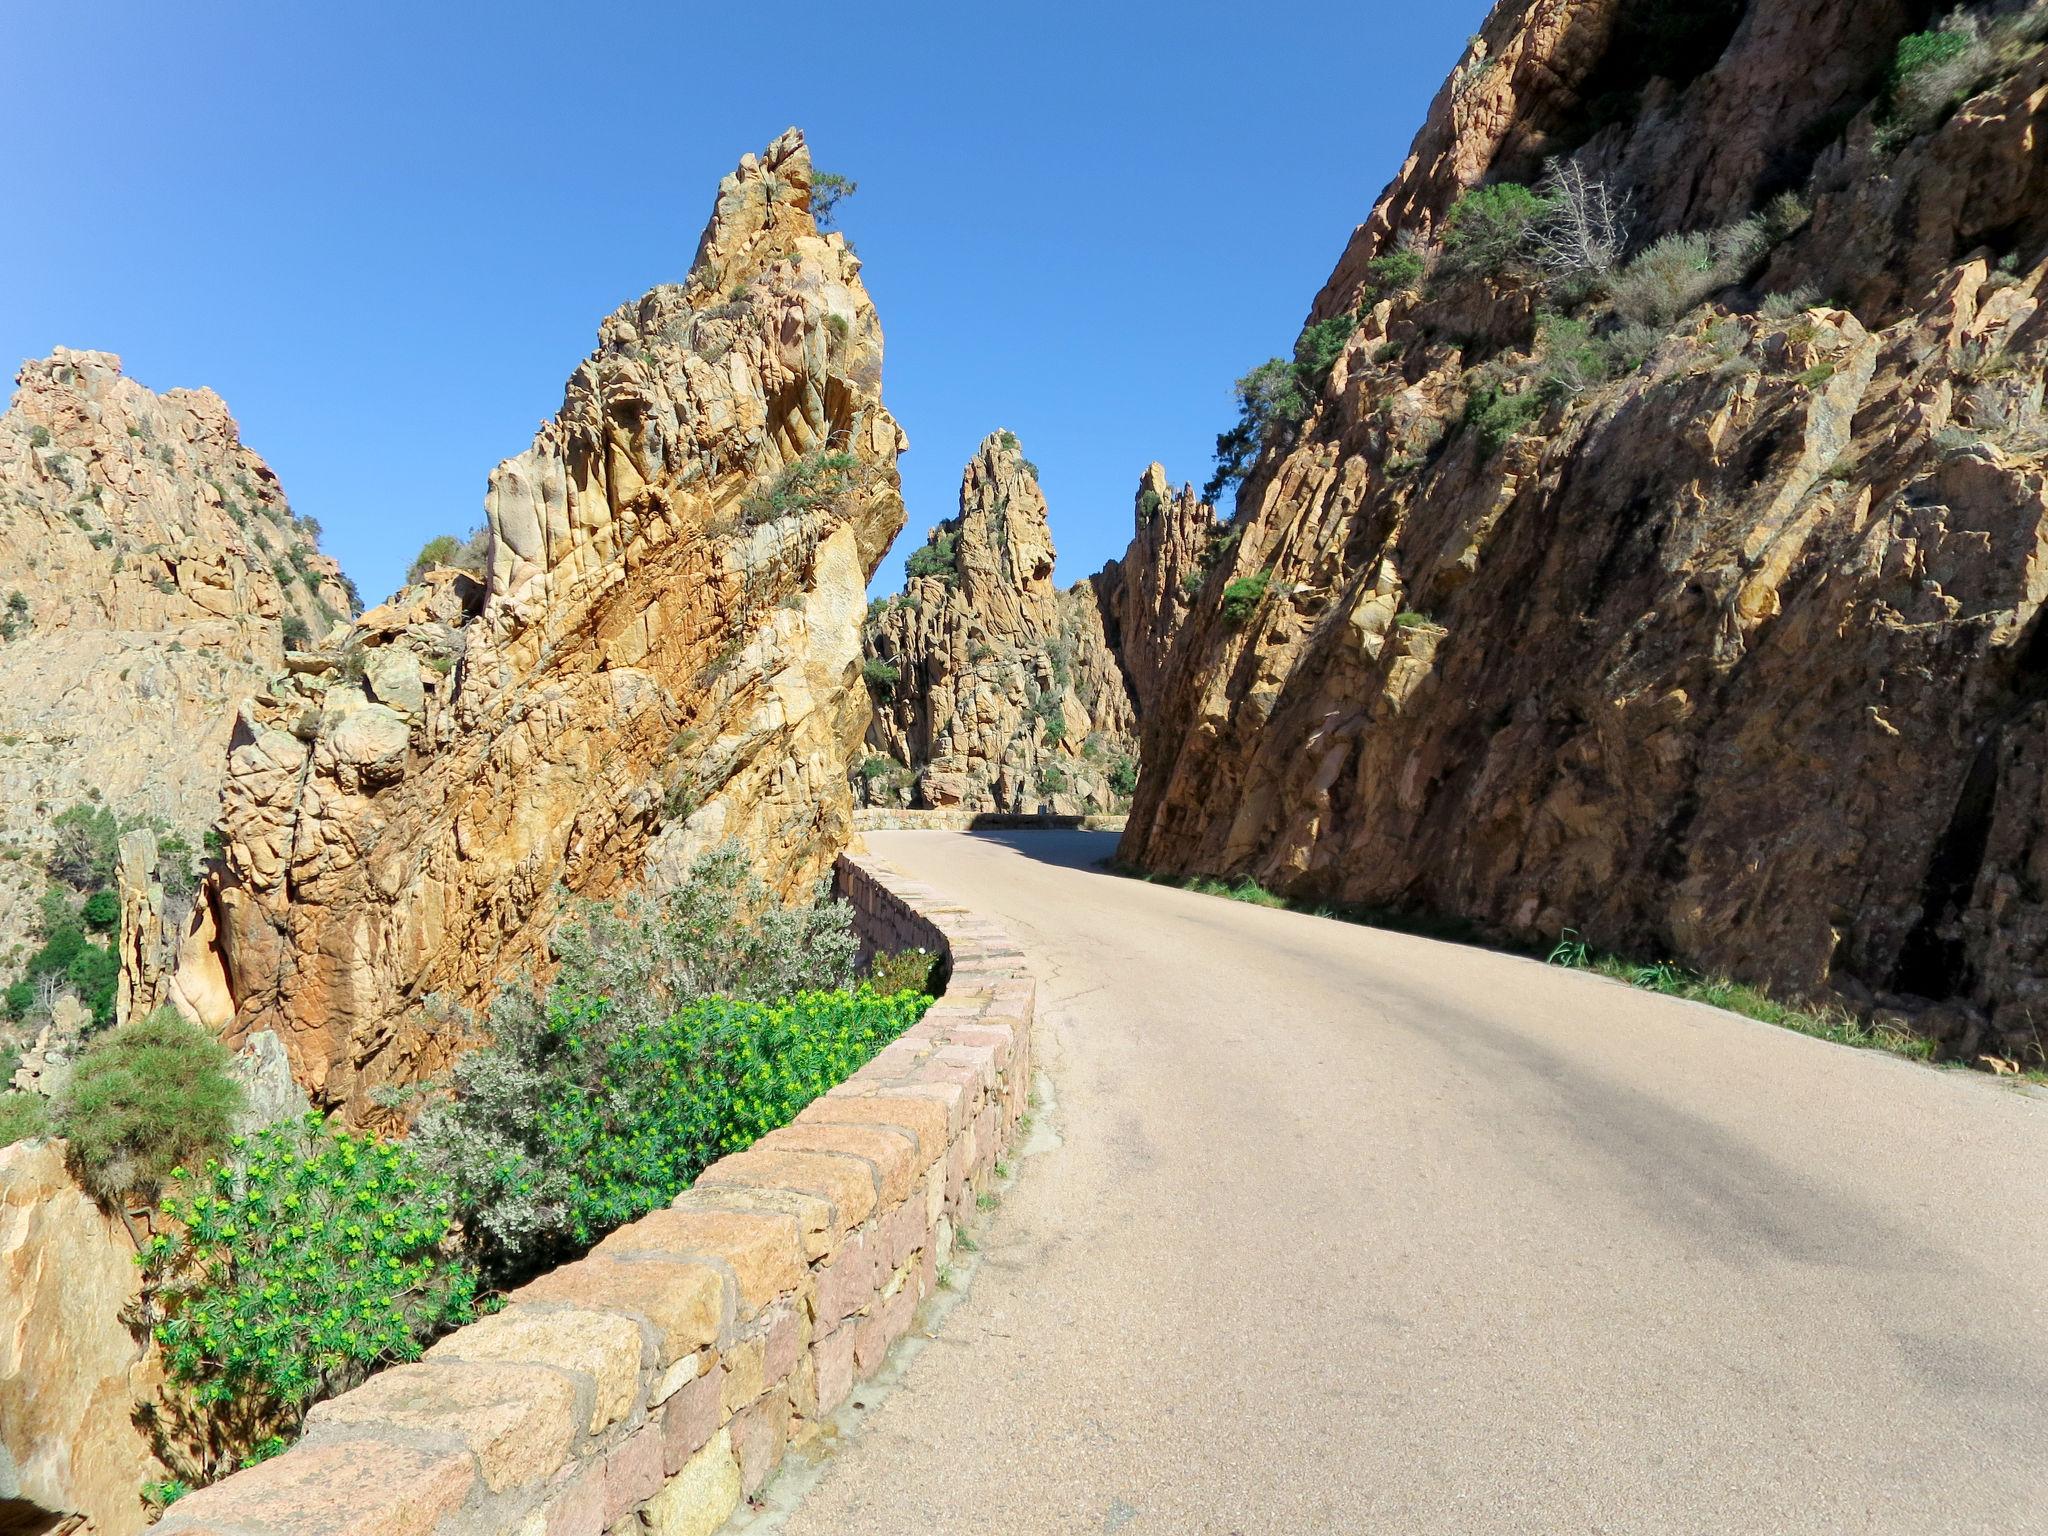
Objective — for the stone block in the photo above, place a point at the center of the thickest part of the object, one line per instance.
(577, 1509)
(847, 1182)
(764, 1249)
(692, 1417)
(700, 1497)
(891, 1154)
(633, 1473)
(784, 1345)
(847, 1284)
(335, 1488)
(920, 1115)
(744, 1379)
(519, 1421)
(602, 1346)
(832, 1358)
(819, 1229)
(904, 1231)
(760, 1432)
(684, 1302)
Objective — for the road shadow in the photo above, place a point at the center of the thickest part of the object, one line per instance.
(1064, 847)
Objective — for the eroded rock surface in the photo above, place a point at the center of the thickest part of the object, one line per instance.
(71, 1371)
(152, 576)
(663, 652)
(994, 690)
(1736, 657)
(1145, 597)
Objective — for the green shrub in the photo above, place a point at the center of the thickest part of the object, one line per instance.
(1148, 505)
(67, 958)
(1674, 275)
(662, 1102)
(874, 768)
(1242, 597)
(1192, 582)
(1317, 349)
(881, 676)
(827, 193)
(811, 484)
(907, 970)
(291, 1272)
(1398, 271)
(1932, 72)
(102, 910)
(150, 1097)
(1924, 50)
(1572, 359)
(1052, 779)
(1497, 416)
(39, 437)
(1271, 406)
(1052, 729)
(935, 556)
(22, 1115)
(1275, 398)
(1008, 442)
(445, 550)
(177, 864)
(720, 932)
(1123, 777)
(1485, 229)
(1410, 619)
(1783, 306)
(87, 847)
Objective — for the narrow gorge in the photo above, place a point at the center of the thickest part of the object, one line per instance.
(522, 1055)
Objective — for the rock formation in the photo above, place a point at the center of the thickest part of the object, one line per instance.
(1717, 633)
(664, 652)
(993, 689)
(1146, 596)
(71, 1371)
(152, 575)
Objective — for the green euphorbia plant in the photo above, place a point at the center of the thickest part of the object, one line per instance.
(290, 1271)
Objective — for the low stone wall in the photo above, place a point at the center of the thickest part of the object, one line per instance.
(880, 819)
(653, 1384)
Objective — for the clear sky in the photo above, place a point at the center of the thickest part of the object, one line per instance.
(386, 233)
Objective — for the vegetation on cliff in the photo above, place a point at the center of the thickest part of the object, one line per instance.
(1662, 370)
(291, 1261)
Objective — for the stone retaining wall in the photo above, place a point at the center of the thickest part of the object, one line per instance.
(882, 819)
(655, 1383)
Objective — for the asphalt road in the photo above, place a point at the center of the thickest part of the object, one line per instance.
(1348, 1231)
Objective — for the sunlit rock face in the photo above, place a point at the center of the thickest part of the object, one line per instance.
(994, 690)
(663, 652)
(152, 576)
(1736, 655)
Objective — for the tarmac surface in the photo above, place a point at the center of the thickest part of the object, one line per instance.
(1338, 1230)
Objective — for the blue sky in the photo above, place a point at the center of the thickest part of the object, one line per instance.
(386, 233)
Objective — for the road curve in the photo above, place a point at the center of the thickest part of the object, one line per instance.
(1349, 1231)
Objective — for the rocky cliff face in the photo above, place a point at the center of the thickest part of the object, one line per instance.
(71, 1372)
(1145, 597)
(993, 689)
(1713, 626)
(152, 576)
(664, 652)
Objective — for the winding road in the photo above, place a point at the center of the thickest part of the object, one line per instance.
(1344, 1231)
